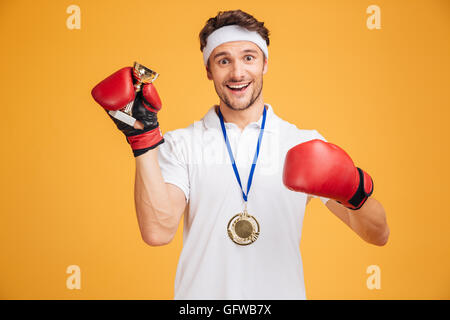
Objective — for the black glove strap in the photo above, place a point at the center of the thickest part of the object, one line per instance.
(360, 196)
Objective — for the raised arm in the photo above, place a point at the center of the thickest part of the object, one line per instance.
(159, 205)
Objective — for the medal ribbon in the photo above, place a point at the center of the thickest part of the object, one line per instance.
(255, 158)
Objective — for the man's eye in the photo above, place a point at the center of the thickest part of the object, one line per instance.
(223, 61)
(249, 58)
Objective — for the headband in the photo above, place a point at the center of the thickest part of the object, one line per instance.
(232, 33)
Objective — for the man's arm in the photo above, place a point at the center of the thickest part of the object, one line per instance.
(159, 205)
(369, 222)
(321, 168)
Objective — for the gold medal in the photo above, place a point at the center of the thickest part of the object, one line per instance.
(243, 229)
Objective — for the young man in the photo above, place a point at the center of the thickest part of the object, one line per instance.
(238, 178)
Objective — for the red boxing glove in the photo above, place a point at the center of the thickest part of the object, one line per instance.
(116, 92)
(323, 169)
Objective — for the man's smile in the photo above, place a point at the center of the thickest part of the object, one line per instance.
(238, 87)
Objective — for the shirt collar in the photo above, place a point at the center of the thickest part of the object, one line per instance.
(211, 120)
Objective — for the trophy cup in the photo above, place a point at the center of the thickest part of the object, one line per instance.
(142, 75)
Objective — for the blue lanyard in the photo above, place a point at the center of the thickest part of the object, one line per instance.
(255, 158)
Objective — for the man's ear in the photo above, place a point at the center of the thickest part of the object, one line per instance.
(208, 73)
(266, 66)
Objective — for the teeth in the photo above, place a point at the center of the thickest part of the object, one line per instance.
(239, 86)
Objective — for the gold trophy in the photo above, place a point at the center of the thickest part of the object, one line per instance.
(142, 75)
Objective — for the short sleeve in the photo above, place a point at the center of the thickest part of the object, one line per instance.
(317, 135)
(172, 161)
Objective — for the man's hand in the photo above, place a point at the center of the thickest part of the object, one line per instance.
(323, 169)
(115, 92)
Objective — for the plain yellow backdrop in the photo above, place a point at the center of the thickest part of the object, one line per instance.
(67, 174)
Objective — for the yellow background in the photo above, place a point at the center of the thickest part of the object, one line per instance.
(67, 174)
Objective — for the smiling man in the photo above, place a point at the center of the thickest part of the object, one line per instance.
(241, 176)
(237, 69)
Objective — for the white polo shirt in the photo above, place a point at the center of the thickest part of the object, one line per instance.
(211, 265)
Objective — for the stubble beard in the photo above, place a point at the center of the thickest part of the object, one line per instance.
(256, 93)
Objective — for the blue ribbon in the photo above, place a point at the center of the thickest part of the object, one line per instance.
(255, 158)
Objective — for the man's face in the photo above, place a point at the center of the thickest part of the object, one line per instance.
(237, 69)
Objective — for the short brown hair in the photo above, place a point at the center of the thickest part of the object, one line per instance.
(237, 17)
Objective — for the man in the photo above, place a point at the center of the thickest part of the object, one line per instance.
(238, 244)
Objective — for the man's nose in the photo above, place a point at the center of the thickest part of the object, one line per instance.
(237, 71)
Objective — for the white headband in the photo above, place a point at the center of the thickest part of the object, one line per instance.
(232, 33)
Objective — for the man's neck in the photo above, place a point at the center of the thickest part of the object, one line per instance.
(242, 117)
